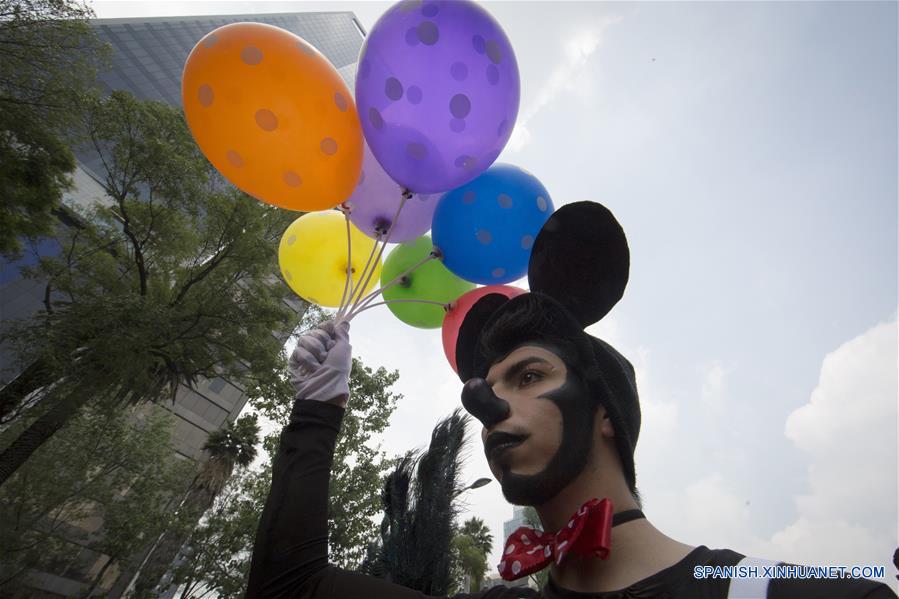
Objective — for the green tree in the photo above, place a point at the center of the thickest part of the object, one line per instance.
(471, 562)
(477, 529)
(49, 57)
(220, 548)
(232, 446)
(219, 552)
(471, 546)
(118, 468)
(174, 279)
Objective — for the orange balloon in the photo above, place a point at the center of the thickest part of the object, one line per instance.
(272, 114)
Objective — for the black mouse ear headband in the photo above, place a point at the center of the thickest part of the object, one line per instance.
(580, 259)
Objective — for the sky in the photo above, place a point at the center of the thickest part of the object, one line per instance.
(749, 150)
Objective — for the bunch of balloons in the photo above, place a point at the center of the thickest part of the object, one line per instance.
(436, 99)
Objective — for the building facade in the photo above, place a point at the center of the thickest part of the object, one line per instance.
(148, 59)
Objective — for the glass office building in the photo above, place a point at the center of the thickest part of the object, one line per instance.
(148, 59)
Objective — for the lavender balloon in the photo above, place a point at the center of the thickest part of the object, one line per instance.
(437, 92)
(376, 198)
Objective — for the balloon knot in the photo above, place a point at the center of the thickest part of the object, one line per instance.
(436, 253)
(406, 194)
(382, 225)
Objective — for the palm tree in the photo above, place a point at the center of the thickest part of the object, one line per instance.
(416, 537)
(476, 529)
(227, 448)
(472, 546)
(233, 445)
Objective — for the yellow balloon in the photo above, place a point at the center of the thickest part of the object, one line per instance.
(313, 257)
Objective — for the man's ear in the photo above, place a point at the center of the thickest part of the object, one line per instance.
(605, 423)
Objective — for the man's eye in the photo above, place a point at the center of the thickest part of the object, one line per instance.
(530, 376)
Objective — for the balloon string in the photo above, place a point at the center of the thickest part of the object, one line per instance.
(444, 305)
(364, 302)
(367, 276)
(348, 282)
(361, 288)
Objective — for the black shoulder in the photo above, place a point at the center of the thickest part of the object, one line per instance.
(832, 588)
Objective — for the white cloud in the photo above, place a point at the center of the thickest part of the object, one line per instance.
(570, 76)
(848, 429)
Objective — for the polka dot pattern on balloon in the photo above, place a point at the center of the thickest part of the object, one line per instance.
(478, 43)
(251, 55)
(291, 179)
(329, 146)
(444, 50)
(459, 71)
(340, 102)
(493, 52)
(240, 90)
(488, 240)
(413, 94)
(460, 106)
(374, 116)
(205, 95)
(393, 89)
(428, 33)
(266, 119)
(291, 240)
(411, 37)
(235, 159)
(541, 204)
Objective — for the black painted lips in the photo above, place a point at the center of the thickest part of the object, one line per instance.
(499, 442)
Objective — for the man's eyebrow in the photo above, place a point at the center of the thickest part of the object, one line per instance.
(515, 369)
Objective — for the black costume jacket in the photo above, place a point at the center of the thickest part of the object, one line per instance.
(290, 558)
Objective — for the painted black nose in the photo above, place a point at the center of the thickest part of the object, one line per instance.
(480, 401)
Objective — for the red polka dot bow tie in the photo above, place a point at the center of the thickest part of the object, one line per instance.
(588, 532)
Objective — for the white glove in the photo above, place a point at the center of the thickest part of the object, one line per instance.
(319, 366)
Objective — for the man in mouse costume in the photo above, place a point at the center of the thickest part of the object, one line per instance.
(560, 416)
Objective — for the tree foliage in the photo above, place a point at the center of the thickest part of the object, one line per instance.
(219, 550)
(49, 57)
(116, 467)
(174, 279)
(471, 546)
(233, 445)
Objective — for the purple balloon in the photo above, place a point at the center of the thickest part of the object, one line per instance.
(437, 92)
(375, 200)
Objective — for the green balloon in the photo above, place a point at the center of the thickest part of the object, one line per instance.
(431, 281)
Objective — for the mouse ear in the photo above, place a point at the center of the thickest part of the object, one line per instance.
(580, 258)
(473, 324)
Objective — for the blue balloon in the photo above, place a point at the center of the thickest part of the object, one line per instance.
(485, 229)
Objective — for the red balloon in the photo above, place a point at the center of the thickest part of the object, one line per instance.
(459, 309)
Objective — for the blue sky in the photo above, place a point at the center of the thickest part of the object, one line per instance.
(750, 152)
